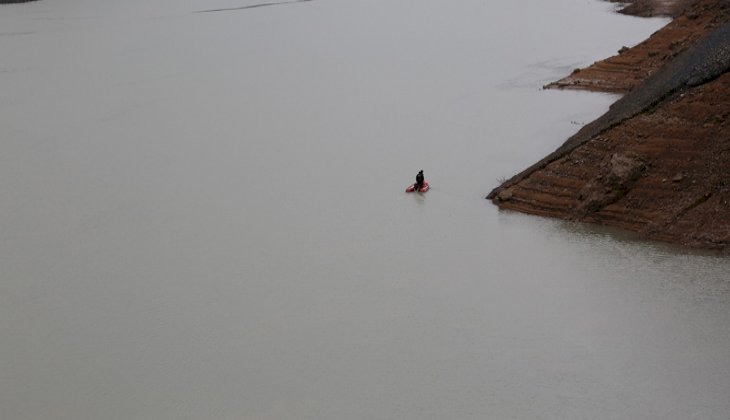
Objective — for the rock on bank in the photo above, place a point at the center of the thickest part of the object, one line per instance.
(658, 162)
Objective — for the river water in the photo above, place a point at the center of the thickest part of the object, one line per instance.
(203, 217)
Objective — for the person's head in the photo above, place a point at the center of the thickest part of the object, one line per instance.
(421, 171)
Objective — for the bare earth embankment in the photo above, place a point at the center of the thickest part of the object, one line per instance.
(658, 162)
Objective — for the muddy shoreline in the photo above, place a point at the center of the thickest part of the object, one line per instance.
(658, 162)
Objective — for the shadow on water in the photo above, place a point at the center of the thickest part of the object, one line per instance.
(628, 238)
(253, 6)
(697, 275)
(578, 231)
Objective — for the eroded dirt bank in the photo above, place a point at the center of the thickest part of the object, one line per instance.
(630, 66)
(658, 162)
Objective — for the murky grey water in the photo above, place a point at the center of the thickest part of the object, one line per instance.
(203, 217)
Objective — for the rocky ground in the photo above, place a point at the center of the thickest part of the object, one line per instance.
(658, 162)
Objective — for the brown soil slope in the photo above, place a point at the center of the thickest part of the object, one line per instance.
(622, 72)
(657, 163)
(664, 173)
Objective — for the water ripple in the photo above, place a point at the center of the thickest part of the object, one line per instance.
(253, 6)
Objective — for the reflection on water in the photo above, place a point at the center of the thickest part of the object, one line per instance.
(203, 217)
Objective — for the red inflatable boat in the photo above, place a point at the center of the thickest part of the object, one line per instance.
(412, 187)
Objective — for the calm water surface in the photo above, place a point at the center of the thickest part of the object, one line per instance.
(203, 217)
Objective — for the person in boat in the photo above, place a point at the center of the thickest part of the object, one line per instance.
(419, 181)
